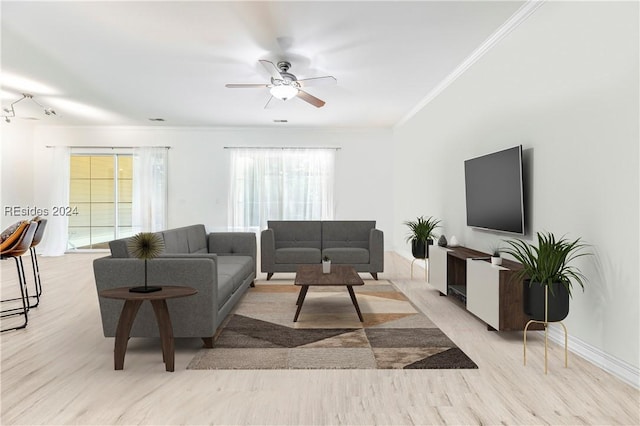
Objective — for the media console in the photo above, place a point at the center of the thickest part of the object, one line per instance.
(489, 292)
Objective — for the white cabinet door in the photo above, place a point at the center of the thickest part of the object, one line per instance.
(438, 268)
(483, 291)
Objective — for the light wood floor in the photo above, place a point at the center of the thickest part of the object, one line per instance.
(59, 370)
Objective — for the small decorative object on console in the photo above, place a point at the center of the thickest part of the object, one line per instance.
(442, 241)
(145, 245)
(496, 259)
(454, 242)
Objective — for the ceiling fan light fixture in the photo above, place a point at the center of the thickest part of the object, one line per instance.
(285, 85)
(283, 91)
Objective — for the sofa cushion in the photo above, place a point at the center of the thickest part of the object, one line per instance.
(237, 267)
(176, 241)
(197, 239)
(348, 255)
(298, 255)
(347, 233)
(119, 248)
(188, 239)
(231, 243)
(296, 233)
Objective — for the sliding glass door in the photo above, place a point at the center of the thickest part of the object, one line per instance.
(100, 196)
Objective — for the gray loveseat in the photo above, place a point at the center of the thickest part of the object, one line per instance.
(285, 244)
(221, 266)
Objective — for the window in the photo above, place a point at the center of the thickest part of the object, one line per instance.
(280, 184)
(101, 194)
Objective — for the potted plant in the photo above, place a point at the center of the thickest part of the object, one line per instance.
(496, 259)
(421, 235)
(326, 265)
(548, 274)
(145, 245)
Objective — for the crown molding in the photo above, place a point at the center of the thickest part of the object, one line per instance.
(505, 29)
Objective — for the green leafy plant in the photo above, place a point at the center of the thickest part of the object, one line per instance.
(422, 229)
(326, 259)
(145, 245)
(549, 262)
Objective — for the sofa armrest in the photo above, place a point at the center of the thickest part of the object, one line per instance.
(191, 316)
(376, 250)
(267, 250)
(233, 244)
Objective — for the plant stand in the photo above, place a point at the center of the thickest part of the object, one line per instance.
(426, 266)
(546, 323)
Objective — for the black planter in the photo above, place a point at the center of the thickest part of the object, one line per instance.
(533, 301)
(419, 249)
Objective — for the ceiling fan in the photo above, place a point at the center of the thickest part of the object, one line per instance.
(285, 85)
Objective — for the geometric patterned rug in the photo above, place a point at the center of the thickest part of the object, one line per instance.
(260, 332)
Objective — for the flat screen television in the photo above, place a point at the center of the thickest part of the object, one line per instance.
(494, 191)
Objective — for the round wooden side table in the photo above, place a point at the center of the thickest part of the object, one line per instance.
(132, 302)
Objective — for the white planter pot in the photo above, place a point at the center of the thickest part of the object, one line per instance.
(326, 267)
(496, 260)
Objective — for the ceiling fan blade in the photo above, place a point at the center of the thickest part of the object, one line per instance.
(318, 81)
(269, 104)
(246, 86)
(318, 103)
(272, 69)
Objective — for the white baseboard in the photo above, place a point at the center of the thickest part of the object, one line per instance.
(621, 369)
(405, 253)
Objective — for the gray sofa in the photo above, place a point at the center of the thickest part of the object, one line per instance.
(221, 266)
(285, 244)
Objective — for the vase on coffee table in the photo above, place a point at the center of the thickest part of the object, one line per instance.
(326, 265)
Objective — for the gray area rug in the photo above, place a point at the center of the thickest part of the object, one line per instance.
(261, 334)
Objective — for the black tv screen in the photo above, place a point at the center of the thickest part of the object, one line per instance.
(494, 191)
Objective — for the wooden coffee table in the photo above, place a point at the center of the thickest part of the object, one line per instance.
(132, 302)
(308, 275)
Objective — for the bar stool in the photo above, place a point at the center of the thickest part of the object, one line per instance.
(14, 247)
(37, 237)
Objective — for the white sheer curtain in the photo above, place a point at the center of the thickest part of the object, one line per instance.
(56, 236)
(149, 209)
(280, 183)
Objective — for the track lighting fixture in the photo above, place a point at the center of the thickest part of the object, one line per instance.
(10, 112)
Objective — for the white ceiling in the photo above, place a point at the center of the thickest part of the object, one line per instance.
(121, 63)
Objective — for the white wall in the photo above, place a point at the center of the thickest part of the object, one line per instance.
(564, 84)
(199, 166)
(16, 171)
